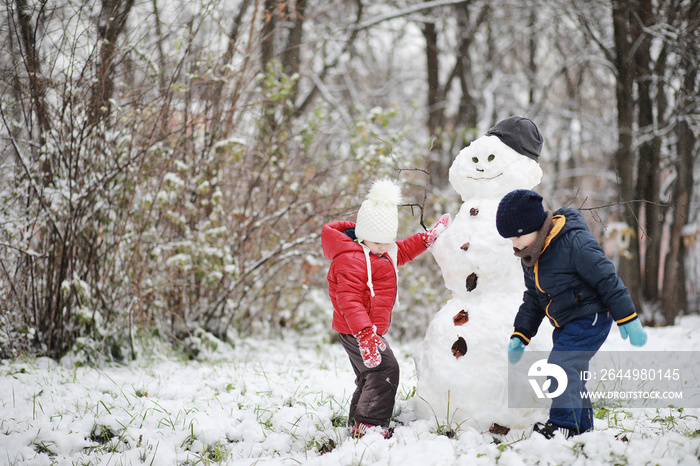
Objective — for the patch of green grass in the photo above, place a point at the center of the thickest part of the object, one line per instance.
(339, 420)
(264, 417)
(43, 447)
(449, 429)
(602, 413)
(407, 395)
(323, 446)
(101, 434)
(671, 420)
(216, 452)
(612, 413)
(190, 439)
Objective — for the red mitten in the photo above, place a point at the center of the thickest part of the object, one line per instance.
(431, 235)
(370, 345)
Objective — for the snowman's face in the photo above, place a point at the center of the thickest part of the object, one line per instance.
(489, 168)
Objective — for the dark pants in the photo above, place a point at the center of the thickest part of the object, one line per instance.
(575, 344)
(373, 400)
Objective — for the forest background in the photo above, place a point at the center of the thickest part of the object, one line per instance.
(166, 166)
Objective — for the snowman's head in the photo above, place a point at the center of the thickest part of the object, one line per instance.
(488, 167)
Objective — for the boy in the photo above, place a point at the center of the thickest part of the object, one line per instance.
(568, 279)
(362, 284)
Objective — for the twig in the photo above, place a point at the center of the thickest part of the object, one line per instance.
(625, 203)
(421, 206)
(407, 11)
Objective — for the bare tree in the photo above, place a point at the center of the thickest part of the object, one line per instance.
(649, 176)
(445, 139)
(644, 120)
(171, 170)
(110, 25)
(630, 265)
(687, 113)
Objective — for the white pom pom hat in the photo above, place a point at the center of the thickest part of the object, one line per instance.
(378, 218)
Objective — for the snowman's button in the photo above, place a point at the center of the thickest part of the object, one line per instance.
(465, 246)
(473, 211)
(461, 318)
(471, 281)
(459, 347)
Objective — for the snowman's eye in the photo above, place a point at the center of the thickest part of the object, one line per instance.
(475, 159)
(491, 157)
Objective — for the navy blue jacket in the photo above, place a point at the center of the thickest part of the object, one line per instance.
(572, 278)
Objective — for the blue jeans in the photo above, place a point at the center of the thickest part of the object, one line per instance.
(575, 344)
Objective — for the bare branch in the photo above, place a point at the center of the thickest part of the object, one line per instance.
(407, 11)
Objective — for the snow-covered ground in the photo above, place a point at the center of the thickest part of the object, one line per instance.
(284, 402)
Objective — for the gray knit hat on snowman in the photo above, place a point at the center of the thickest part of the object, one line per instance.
(520, 134)
(378, 217)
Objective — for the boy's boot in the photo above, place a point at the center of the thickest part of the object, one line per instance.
(548, 430)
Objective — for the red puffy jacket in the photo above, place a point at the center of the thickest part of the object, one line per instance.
(354, 308)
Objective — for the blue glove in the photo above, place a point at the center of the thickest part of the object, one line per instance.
(515, 350)
(638, 337)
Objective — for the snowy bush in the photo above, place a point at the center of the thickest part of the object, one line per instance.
(167, 166)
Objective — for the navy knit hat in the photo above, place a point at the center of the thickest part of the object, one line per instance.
(520, 134)
(520, 212)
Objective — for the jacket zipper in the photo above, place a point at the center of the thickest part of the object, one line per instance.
(559, 222)
(537, 283)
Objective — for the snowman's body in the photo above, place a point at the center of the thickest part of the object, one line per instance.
(462, 364)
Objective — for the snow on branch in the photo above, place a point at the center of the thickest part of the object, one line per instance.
(407, 11)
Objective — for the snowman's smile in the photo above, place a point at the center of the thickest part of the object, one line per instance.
(484, 177)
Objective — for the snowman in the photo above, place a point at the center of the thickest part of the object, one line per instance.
(462, 364)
